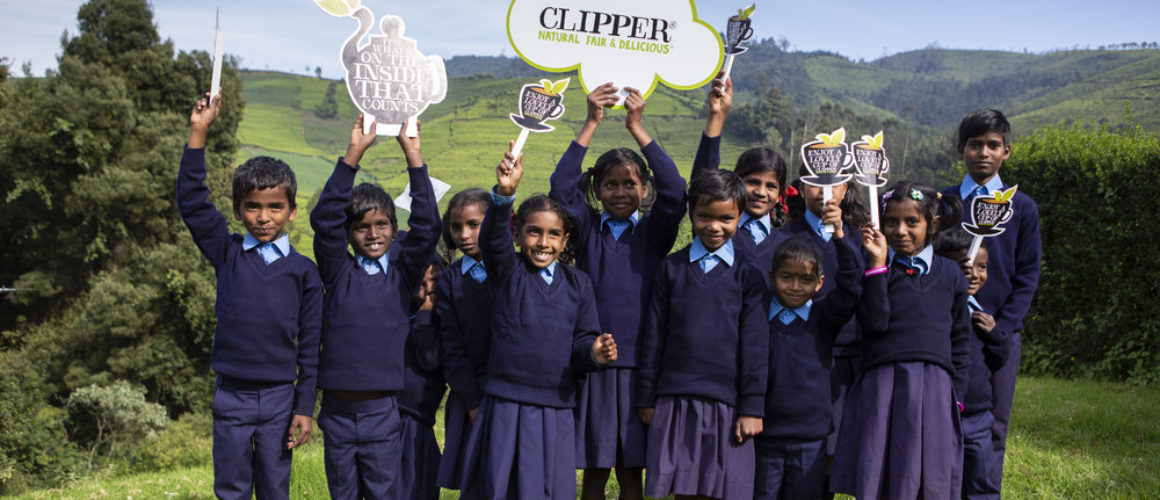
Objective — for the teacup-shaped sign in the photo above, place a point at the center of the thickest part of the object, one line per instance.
(826, 159)
(870, 160)
(540, 103)
(737, 32)
(988, 214)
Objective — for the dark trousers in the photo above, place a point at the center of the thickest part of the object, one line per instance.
(251, 423)
(1002, 396)
(978, 458)
(363, 440)
(789, 469)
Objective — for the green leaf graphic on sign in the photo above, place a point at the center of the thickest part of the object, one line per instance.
(338, 8)
(748, 11)
(560, 86)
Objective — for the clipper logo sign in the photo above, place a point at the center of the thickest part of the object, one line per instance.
(632, 44)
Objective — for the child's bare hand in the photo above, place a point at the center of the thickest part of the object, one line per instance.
(300, 427)
(604, 96)
(634, 103)
(747, 427)
(205, 111)
(721, 95)
(509, 172)
(646, 415)
(411, 145)
(359, 141)
(832, 215)
(983, 321)
(604, 349)
(875, 244)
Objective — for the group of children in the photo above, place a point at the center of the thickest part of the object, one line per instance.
(770, 358)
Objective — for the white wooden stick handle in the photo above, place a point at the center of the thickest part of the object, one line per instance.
(215, 85)
(523, 138)
(827, 195)
(728, 66)
(874, 207)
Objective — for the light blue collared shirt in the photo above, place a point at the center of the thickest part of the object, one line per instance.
(787, 315)
(920, 262)
(549, 273)
(973, 304)
(474, 268)
(968, 187)
(698, 252)
(758, 228)
(501, 200)
(374, 266)
(271, 251)
(816, 224)
(617, 226)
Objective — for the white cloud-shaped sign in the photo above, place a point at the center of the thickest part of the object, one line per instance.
(635, 43)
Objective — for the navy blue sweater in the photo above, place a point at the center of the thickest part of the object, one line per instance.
(1013, 264)
(706, 335)
(464, 311)
(797, 400)
(268, 317)
(989, 352)
(918, 318)
(365, 317)
(622, 270)
(541, 334)
(423, 388)
(709, 158)
(850, 337)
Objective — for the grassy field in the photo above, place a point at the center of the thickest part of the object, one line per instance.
(1069, 439)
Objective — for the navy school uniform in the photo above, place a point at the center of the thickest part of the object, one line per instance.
(621, 269)
(274, 310)
(847, 350)
(791, 450)
(989, 351)
(522, 442)
(703, 362)
(365, 328)
(1013, 275)
(419, 400)
(901, 434)
(464, 312)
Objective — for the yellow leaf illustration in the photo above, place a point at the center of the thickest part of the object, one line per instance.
(748, 11)
(546, 84)
(838, 136)
(337, 8)
(878, 140)
(560, 86)
(825, 138)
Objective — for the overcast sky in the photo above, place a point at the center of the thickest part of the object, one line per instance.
(289, 35)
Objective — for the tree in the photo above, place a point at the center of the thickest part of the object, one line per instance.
(318, 72)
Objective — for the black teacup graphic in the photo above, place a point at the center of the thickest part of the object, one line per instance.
(538, 105)
(871, 163)
(826, 164)
(738, 32)
(988, 214)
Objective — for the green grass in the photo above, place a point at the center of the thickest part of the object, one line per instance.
(1069, 439)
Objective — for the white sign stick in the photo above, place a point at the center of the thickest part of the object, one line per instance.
(827, 195)
(523, 138)
(975, 244)
(728, 66)
(874, 207)
(215, 85)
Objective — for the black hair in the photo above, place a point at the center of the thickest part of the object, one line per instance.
(542, 203)
(854, 210)
(930, 203)
(365, 198)
(953, 240)
(982, 121)
(716, 185)
(264, 172)
(759, 160)
(591, 179)
(462, 199)
(799, 248)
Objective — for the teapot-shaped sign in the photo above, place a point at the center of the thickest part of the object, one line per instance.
(540, 103)
(826, 159)
(387, 78)
(989, 213)
(870, 160)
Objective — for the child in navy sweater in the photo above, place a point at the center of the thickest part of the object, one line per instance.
(365, 327)
(544, 334)
(620, 250)
(900, 436)
(422, 393)
(464, 312)
(269, 312)
(984, 143)
(704, 355)
(791, 450)
(762, 170)
(989, 349)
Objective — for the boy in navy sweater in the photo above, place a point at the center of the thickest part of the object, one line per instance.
(365, 316)
(269, 311)
(989, 349)
(984, 143)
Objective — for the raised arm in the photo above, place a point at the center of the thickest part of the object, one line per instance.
(419, 246)
(601, 97)
(328, 218)
(841, 303)
(720, 101)
(495, 237)
(207, 225)
(669, 208)
(874, 308)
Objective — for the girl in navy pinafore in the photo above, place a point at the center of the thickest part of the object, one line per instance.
(423, 389)
(544, 334)
(901, 435)
(620, 250)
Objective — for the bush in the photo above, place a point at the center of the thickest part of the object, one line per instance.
(106, 417)
(188, 442)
